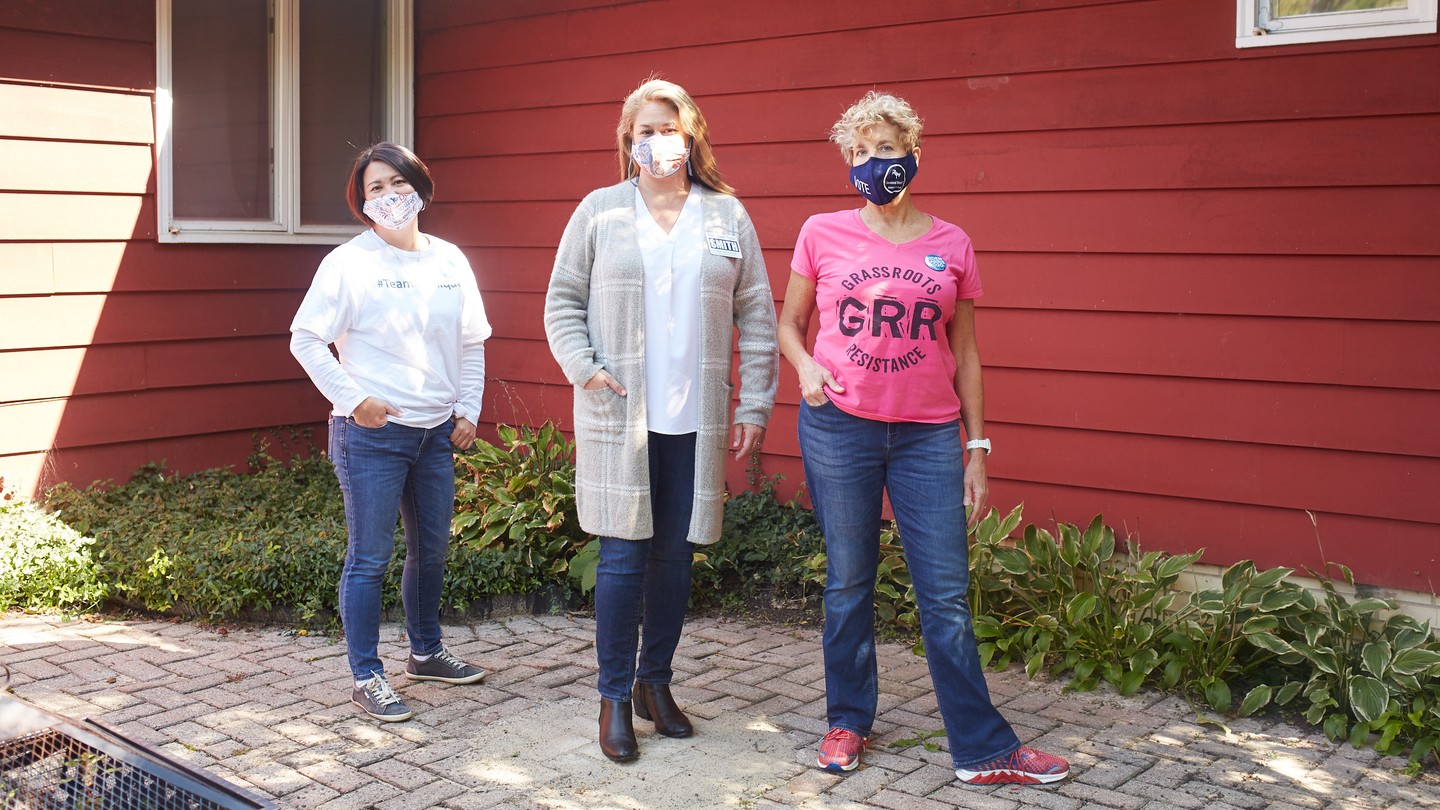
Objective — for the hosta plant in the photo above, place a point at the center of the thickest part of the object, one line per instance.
(1357, 672)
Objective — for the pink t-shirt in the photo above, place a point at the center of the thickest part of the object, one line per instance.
(885, 311)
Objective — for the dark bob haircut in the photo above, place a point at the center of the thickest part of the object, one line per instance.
(404, 162)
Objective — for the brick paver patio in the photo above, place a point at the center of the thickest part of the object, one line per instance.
(268, 710)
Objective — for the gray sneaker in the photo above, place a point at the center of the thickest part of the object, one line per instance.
(379, 701)
(444, 667)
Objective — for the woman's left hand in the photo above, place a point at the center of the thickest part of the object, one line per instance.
(463, 436)
(977, 485)
(746, 439)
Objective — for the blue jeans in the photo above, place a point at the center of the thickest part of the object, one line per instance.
(849, 461)
(384, 472)
(647, 580)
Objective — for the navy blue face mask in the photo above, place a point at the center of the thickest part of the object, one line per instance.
(881, 180)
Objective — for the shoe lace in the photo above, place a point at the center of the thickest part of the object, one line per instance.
(381, 691)
(449, 659)
(840, 736)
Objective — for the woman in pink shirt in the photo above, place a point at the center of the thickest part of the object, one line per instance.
(894, 372)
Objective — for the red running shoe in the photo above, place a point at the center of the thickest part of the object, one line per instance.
(840, 750)
(1026, 767)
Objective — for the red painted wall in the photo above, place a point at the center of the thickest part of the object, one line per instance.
(117, 351)
(1211, 276)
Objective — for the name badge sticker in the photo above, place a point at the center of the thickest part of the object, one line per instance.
(723, 244)
(935, 262)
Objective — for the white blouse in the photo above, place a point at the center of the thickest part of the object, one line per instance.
(672, 315)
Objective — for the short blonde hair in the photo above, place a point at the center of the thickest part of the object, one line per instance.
(692, 123)
(872, 110)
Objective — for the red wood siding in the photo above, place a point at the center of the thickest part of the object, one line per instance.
(1211, 275)
(116, 351)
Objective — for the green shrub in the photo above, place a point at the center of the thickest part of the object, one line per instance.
(515, 513)
(1072, 605)
(217, 544)
(44, 564)
(1358, 673)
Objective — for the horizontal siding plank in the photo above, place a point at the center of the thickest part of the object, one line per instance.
(1369, 287)
(1314, 86)
(1386, 486)
(1365, 288)
(1331, 417)
(87, 18)
(65, 59)
(80, 320)
(26, 269)
(608, 29)
(147, 266)
(58, 373)
(1395, 553)
(118, 462)
(527, 361)
(437, 14)
(1323, 221)
(74, 166)
(1382, 354)
(1118, 35)
(1268, 155)
(127, 417)
(57, 217)
(1327, 221)
(1246, 413)
(62, 113)
(1361, 353)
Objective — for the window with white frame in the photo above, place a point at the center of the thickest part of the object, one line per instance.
(1279, 22)
(262, 104)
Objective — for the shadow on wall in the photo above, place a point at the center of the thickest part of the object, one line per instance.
(115, 350)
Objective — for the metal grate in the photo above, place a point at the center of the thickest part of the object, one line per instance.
(49, 762)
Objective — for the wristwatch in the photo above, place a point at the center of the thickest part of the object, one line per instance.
(979, 444)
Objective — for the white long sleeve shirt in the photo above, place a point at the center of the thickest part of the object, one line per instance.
(409, 327)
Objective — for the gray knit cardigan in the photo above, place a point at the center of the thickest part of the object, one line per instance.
(595, 318)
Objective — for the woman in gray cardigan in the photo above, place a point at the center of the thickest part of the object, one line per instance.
(652, 278)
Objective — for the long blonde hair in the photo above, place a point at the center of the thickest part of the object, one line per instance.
(692, 122)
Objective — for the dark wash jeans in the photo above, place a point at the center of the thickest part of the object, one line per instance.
(848, 462)
(647, 582)
(384, 472)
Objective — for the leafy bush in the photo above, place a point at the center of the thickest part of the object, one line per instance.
(44, 564)
(1359, 673)
(516, 505)
(1073, 606)
(217, 544)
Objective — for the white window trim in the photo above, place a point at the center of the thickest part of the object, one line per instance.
(1254, 28)
(285, 228)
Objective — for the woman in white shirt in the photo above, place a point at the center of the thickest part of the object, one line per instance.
(404, 313)
(653, 277)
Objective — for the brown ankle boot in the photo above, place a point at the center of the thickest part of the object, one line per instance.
(653, 702)
(617, 731)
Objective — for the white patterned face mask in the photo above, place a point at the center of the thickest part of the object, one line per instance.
(394, 210)
(660, 155)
